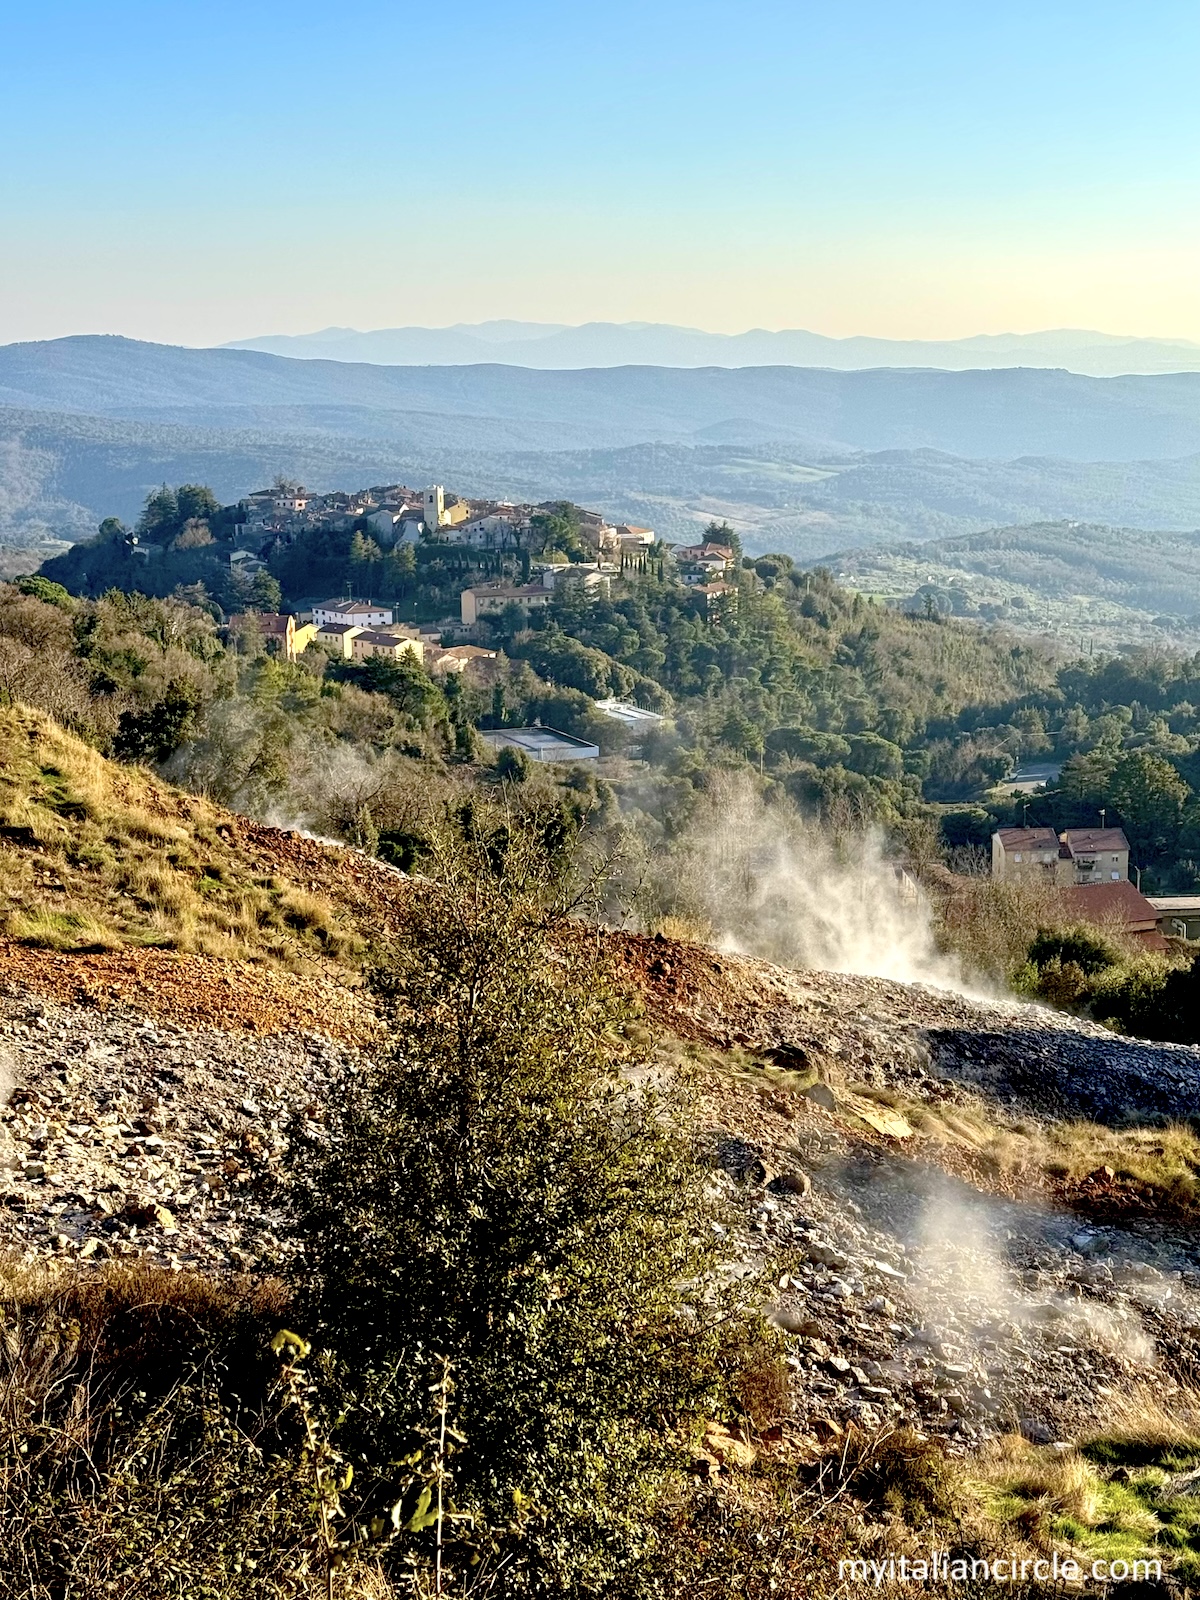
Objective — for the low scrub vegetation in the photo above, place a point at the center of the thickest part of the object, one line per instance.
(147, 1452)
(506, 1330)
(1123, 1495)
(1084, 969)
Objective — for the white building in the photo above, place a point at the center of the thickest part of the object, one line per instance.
(631, 538)
(384, 525)
(593, 575)
(492, 530)
(355, 613)
(541, 744)
(625, 712)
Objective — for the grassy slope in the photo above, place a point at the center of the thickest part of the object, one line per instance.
(96, 857)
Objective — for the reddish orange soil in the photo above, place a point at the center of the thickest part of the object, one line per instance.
(191, 990)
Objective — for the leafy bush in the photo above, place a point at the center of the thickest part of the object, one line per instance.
(1155, 1001)
(1085, 947)
(1145, 993)
(494, 1193)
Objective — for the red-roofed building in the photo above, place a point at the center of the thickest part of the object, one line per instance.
(1120, 907)
(1096, 855)
(1025, 853)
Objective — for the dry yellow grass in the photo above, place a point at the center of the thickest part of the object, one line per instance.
(94, 856)
(1064, 1485)
(1152, 1167)
(690, 930)
(1147, 1417)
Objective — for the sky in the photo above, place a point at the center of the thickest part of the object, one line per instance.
(200, 172)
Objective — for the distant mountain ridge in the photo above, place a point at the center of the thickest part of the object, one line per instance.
(549, 346)
(998, 414)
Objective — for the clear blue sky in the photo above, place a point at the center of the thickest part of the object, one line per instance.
(202, 172)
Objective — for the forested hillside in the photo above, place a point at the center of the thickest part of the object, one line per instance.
(62, 472)
(999, 414)
(836, 700)
(1100, 587)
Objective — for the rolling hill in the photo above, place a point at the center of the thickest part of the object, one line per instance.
(797, 460)
(1086, 584)
(990, 414)
(61, 473)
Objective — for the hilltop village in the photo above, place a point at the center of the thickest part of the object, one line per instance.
(435, 624)
(522, 553)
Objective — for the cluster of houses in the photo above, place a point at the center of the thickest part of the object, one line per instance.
(356, 630)
(396, 515)
(1088, 869)
(703, 569)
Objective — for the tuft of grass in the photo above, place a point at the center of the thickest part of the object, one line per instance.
(1155, 1169)
(1057, 1485)
(73, 932)
(1142, 1420)
(1112, 1498)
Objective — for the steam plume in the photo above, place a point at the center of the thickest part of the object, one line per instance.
(774, 885)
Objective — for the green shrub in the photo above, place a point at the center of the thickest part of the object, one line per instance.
(1082, 946)
(494, 1193)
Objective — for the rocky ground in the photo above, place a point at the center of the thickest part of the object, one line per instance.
(124, 1135)
(907, 1296)
(910, 1286)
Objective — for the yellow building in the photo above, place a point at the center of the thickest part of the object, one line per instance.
(391, 646)
(486, 599)
(338, 637)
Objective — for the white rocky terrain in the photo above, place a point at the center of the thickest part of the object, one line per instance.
(919, 1276)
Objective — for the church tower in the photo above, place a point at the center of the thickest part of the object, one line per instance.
(435, 507)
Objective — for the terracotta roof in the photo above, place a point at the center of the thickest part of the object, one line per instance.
(270, 622)
(1121, 905)
(1013, 839)
(1086, 840)
(469, 652)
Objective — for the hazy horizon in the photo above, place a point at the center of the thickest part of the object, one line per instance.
(504, 330)
(497, 322)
